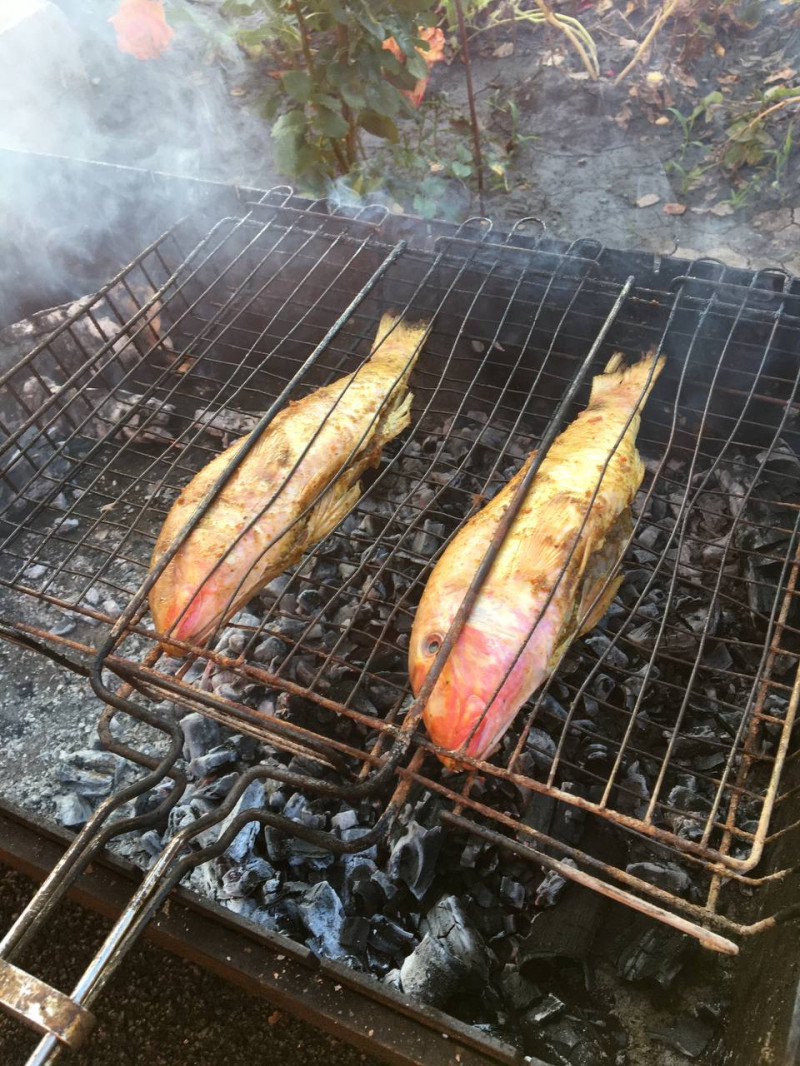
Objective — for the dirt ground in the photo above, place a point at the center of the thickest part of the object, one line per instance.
(161, 1010)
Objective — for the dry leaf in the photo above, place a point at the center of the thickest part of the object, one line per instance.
(628, 43)
(503, 50)
(579, 75)
(552, 59)
(648, 200)
(623, 116)
(728, 79)
(684, 79)
(781, 75)
(721, 210)
(674, 209)
(630, 7)
(603, 6)
(654, 77)
(238, 91)
(718, 49)
(662, 120)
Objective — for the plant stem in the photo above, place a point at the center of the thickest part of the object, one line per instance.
(473, 115)
(312, 73)
(663, 15)
(561, 24)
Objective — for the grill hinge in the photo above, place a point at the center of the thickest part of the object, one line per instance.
(43, 1008)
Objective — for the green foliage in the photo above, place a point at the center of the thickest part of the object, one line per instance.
(336, 78)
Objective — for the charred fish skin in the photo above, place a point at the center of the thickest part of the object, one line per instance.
(554, 576)
(292, 489)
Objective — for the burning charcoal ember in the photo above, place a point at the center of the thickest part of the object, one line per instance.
(242, 844)
(518, 991)
(200, 735)
(687, 1035)
(652, 951)
(552, 885)
(665, 875)
(412, 859)
(72, 810)
(451, 955)
(322, 914)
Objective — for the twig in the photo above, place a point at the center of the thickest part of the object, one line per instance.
(663, 15)
(567, 30)
(473, 114)
(767, 111)
(537, 17)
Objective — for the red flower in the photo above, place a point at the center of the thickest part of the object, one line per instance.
(142, 30)
(435, 53)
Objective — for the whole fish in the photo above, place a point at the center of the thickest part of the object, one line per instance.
(524, 618)
(282, 499)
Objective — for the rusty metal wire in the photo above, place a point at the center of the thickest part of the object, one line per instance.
(284, 299)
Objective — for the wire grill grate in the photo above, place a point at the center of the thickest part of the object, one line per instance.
(691, 683)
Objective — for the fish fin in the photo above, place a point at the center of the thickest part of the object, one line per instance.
(602, 605)
(329, 512)
(398, 419)
(636, 380)
(399, 343)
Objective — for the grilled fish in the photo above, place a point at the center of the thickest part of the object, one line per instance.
(525, 617)
(283, 498)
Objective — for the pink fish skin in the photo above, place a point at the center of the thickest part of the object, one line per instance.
(525, 616)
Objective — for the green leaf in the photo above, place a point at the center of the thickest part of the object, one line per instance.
(353, 97)
(416, 65)
(461, 170)
(235, 8)
(325, 100)
(330, 124)
(298, 85)
(378, 125)
(248, 38)
(268, 103)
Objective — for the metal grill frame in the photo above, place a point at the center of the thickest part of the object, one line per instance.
(388, 764)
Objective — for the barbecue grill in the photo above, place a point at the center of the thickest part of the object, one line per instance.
(669, 727)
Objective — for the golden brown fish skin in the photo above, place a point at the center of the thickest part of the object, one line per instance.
(497, 662)
(213, 573)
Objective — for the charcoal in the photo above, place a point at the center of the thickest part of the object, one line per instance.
(200, 735)
(450, 955)
(687, 1035)
(242, 844)
(512, 892)
(545, 1010)
(92, 774)
(355, 933)
(390, 937)
(244, 879)
(481, 894)
(301, 852)
(603, 686)
(471, 853)
(205, 765)
(552, 885)
(612, 655)
(653, 952)
(344, 820)
(152, 842)
(634, 799)
(298, 810)
(665, 875)
(72, 810)
(518, 991)
(271, 651)
(567, 1040)
(542, 747)
(413, 857)
(718, 658)
(322, 914)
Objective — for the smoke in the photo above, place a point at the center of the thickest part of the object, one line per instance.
(67, 90)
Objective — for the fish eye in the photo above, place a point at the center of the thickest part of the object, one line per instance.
(433, 645)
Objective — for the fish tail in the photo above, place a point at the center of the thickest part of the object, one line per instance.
(399, 342)
(634, 381)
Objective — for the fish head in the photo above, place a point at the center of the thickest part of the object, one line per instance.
(493, 667)
(188, 603)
